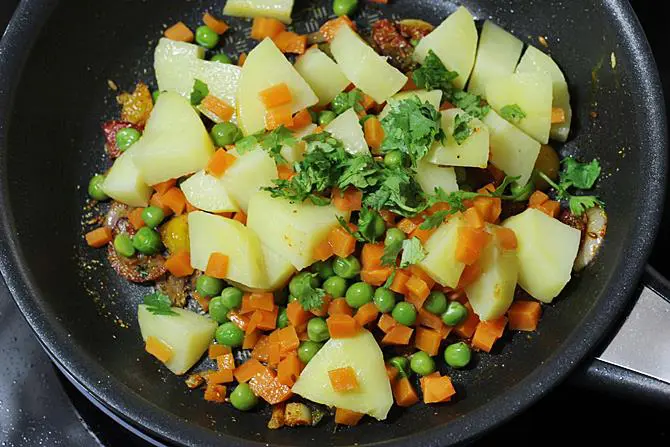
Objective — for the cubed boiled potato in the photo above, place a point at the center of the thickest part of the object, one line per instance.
(454, 42)
(512, 150)
(362, 353)
(322, 74)
(532, 92)
(278, 269)
(208, 193)
(473, 152)
(209, 234)
(433, 97)
(431, 176)
(347, 128)
(174, 143)
(266, 67)
(440, 262)
(492, 293)
(251, 171)
(535, 61)
(547, 249)
(278, 9)
(292, 229)
(369, 71)
(125, 183)
(497, 55)
(188, 334)
(179, 64)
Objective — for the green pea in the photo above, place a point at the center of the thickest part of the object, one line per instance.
(394, 236)
(124, 245)
(229, 334)
(243, 398)
(206, 37)
(335, 286)
(457, 355)
(307, 350)
(152, 216)
(282, 318)
(346, 268)
(358, 294)
(302, 282)
(221, 57)
(384, 299)
(393, 160)
(404, 313)
(317, 330)
(126, 137)
(208, 286)
(522, 193)
(324, 269)
(95, 188)
(422, 364)
(218, 310)
(344, 7)
(378, 227)
(154, 95)
(224, 133)
(436, 303)
(401, 364)
(455, 314)
(326, 117)
(147, 241)
(231, 297)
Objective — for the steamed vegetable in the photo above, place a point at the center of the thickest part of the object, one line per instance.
(473, 149)
(125, 183)
(251, 172)
(322, 74)
(440, 263)
(278, 9)
(348, 130)
(208, 193)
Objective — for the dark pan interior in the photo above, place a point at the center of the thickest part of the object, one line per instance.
(85, 314)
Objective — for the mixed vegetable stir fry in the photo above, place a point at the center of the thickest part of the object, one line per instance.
(348, 228)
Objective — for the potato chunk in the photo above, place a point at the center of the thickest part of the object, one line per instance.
(431, 176)
(546, 253)
(322, 74)
(362, 353)
(474, 151)
(251, 171)
(208, 193)
(188, 334)
(348, 130)
(125, 183)
(440, 263)
(278, 9)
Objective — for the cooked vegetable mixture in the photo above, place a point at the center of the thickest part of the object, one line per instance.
(351, 226)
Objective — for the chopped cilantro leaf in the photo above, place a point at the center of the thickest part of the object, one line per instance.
(346, 100)
(311, 297)
(200, 90)
(461, 128)
(435, 220)
(579, 175)
(391, 253)
(159, 304)
(360, 171)
(390, 279)
(412, 252)
(513, 113)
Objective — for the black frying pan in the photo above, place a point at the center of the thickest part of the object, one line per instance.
(55, 60)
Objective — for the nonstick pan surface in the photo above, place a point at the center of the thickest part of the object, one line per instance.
(55, 62)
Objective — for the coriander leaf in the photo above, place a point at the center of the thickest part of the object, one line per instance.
(159, 304)
(360, 171)
(435, 220)
(412, 252)
(311, 297)
(356, 234)
(274, 141)
(579, 204)
(453, 199)
(246, 144)
(389, 280)
(513, 113)
(200, 90)
(579, 175)
(366, 224)
(398, 192)
(474, 105)
(346, 100)
(507, 181)
(461, 128)
(391, 252)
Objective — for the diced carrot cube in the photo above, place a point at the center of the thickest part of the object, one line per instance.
(524, 315)
(398, 335)
(217, 265)
(386, 323)
(343, 379)
(180, 32)
(278, 116)
(99, 237)
(277, 95)
(217, 25)
(347, 417)
(179, 264)
(158, 348)
(342, 326)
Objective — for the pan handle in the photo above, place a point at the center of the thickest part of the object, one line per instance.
(635, 361)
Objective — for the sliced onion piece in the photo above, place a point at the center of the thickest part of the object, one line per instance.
(593, 238)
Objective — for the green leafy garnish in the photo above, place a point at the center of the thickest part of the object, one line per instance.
(390, 279)
(391, 252)
(199, 92)
(411, 127)
(461, 128)
(366, 224)
(513, 113)
(311, 297)
(412, 252)
(159, 304)
(398, 191)
(356, 234)
(361, 171)
(580, 176)
(346, 100)
(271, 142)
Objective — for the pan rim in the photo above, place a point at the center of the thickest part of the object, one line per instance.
(14, 51)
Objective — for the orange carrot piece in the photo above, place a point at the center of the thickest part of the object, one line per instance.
(289, 370)
(301, 119)
(349, 200)
(418, 271)
(274, 356)
(330, 28)
(263, 27)
(262, 301)
(180, 32)
(261, 349)
(489, 208)
(427, 340)
(99, 237)
(157, 201)
(268, 319)
(524, 315)
(374, 133)
(371, 255)
(470, 244)
(246, 308)
(469, 275)
(347, 417)
(342, 243)
(377, 276)
(219, 163)
(254, 319)
(467, 327)
(266, 386)
(474, 218)
(389, 216)
(339, 306)
(506, 237)
(163, 187)
(217, 25)
(496, 327)
(179, 264)
(557, 115)
(241, 321)
(399, 283)
(342, 326)
(551, 208)
(175, 200)
(248, 369)
(404, 393)
(398, 335)
(537, 198)
(421, 234)
(277, 95)
(285, 172)
(436, 389)
(158, 348)
(290, 42)
(288, 339)
(417, 291)
(367, 313)
(343, 379)
(408, 225)
(386, 323)
(203, 301)
(242, 59)
(323, 250)
(251, 339)
(278, 116)
(297, 316)
(135, 218)
(219, 377)
(446, 105)
(215, 393)
(429, 320)
(409, 85)
(218, 107)
(225, 361)
(216, 350)
(217, 265)
(241, 217)
(392, 372)
(483, 339)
